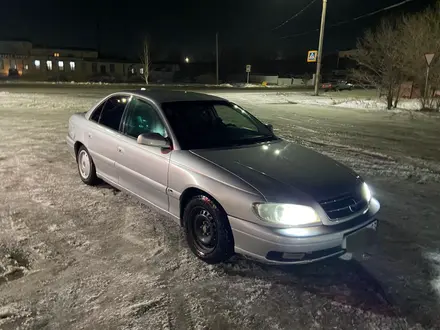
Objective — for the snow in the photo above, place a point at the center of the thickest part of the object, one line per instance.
(86, 257)
(434, 259)
(379, 104)
(322, 100)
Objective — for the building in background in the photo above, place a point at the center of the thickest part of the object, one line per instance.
(22, 59)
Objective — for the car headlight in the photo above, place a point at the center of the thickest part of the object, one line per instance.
(287, 214)
(366, 192)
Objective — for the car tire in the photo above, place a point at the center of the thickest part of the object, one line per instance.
(208, 231)
(86, 167)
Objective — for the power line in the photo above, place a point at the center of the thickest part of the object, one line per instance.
(350, 20)
(294, 16)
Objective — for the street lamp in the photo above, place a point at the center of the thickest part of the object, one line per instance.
(186, 59)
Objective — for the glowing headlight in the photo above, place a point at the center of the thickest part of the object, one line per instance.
(287, 214)
(366, 192)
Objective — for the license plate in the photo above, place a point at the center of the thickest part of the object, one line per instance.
(360, 240)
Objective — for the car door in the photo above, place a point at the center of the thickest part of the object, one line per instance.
(102, 136)
(142, 169)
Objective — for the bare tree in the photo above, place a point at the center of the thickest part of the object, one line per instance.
(420, 36)
(379, 59)
(146, 61)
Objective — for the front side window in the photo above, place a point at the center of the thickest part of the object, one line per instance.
(214, 124)
(112, 111)
(142, 118)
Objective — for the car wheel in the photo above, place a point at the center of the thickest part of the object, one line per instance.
(208, 232)
(86, 167)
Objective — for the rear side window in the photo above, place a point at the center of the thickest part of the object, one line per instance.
(97, 113)
(112, 111)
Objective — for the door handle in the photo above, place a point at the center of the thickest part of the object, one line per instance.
(121, 150)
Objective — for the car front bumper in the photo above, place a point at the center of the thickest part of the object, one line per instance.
(304, 245)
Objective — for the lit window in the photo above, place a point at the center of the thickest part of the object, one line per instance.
(26, 67)
(61, 65)
(56, 54)
(49, 65)
(132, 70)
(37, 64)
(141, 70)
(72, 66)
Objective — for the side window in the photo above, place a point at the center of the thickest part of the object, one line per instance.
(143, 118)
(230, 117)
(112, 112)
(97, 112)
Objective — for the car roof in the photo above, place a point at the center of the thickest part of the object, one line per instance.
(163, 96)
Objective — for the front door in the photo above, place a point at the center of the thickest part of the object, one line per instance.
(103, 135)
(143, 169)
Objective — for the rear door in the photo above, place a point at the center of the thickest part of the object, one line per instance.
(143, 169)
(102, 137)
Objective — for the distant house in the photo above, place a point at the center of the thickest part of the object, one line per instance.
(21, 58)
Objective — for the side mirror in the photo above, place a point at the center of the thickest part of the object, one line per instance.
(154, 140)
(269, 127)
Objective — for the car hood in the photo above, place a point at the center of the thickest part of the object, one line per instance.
(280, 169)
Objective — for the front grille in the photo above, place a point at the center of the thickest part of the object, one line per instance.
(344, 206)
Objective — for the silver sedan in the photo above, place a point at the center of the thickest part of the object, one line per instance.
(224, 176)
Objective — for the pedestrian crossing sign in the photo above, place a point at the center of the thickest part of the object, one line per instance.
(312, 56)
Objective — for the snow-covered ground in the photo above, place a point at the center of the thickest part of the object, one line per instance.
(74, 257)
(344, 100)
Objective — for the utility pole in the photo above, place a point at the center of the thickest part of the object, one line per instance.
(321, 42)
(216, 57)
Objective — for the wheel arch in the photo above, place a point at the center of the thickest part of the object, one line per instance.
(192, 192)
(76, 147)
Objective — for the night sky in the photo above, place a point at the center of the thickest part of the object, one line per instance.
(188, 26)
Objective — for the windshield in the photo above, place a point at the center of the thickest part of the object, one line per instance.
(214, 124)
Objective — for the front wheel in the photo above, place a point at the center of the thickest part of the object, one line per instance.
(208, 232)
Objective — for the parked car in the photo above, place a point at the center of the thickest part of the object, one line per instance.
(224, 176)
(337, 86)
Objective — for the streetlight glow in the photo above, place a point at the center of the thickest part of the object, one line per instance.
(186, 59)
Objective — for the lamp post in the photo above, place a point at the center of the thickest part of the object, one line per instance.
(216, 58)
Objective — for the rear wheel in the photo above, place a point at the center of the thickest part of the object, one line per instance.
(86, 167)
(208, 232)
